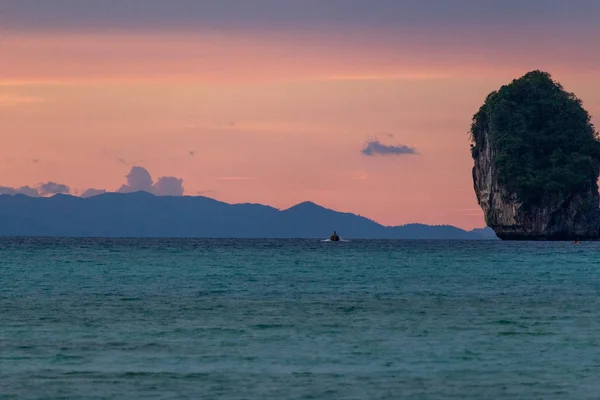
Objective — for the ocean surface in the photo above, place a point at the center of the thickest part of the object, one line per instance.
(298, 319)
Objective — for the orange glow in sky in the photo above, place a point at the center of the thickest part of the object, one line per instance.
(273, 119)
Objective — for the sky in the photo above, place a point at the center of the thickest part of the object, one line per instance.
(360, 106)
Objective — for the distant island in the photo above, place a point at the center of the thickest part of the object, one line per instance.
(142, 214)
(537, 160)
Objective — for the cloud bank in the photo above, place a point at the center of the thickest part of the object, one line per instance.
(26, 190)
(43, 189)
(376, 148)
(92, 192)
(168, 186)
(139, 179)
(51, 188)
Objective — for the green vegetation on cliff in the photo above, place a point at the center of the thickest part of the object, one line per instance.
(546, 147)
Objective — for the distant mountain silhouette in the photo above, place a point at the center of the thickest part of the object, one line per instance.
(142, 214)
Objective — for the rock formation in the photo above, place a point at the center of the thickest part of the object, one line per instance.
(537, 160)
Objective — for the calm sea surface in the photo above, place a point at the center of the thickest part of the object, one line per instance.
(297, 319)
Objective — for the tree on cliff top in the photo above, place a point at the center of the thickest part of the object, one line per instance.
(546, 147)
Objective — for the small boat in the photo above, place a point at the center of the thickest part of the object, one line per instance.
(334, 237)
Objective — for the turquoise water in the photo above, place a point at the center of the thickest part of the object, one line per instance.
(219, 319)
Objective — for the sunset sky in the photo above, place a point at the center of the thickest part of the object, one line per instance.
(360, 106)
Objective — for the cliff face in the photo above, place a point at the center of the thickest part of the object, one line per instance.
(574, 217)
(537, 158)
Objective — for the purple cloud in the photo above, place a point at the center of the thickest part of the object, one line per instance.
(376, 148)
(138, 180)
(50, 188)
(168, 186)
(26, 190)
(92, 193)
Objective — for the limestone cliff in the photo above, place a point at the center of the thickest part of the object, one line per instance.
(531, 179)
(573, 217)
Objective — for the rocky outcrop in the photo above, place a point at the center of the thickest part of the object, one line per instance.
(537, 161)
(576, 217)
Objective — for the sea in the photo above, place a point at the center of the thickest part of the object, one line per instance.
(298, 319)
